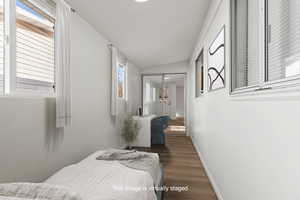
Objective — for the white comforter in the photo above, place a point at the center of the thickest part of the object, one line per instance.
(12, 198)
(36, 191)
(105, 180)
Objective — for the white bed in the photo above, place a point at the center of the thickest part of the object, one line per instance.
(106, 180)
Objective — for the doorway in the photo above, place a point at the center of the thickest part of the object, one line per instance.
(165, 95)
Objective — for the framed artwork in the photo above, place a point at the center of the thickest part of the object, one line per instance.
(216, 62)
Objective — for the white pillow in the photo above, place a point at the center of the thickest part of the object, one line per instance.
(39, 191)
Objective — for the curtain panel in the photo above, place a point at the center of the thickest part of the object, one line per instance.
(114, 80)
(62, 64)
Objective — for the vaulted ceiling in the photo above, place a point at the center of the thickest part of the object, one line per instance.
(152, 33)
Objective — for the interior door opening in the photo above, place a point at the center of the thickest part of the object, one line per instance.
(165, 95)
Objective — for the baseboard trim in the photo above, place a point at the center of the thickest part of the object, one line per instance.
(209, 174)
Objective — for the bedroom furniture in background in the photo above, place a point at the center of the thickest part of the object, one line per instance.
(216, 62)
(144, 136)
(165, 121)
(158, 126)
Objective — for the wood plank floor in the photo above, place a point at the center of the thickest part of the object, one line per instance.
(179, 121)
(182, 167)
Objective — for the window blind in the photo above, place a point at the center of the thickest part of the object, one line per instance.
(46, 8)
(35, 51)
(283, 39)
(246, 43)
(241, 43)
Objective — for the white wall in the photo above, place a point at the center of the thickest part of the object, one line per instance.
(172, 100)
(180, 101)
(179, 67)
(250, 144)
(134, 88)
(27, 125)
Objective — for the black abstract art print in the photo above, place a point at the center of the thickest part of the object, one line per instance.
(216, 62)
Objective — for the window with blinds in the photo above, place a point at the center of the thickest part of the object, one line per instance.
(245, 43)
(283, 39)
(199, 87)
(34, 47)
(1, 47)
(265, 44)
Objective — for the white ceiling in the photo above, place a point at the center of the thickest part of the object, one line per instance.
(153, 33)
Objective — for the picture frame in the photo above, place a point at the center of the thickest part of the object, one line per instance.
(199, 74)
(216, 62)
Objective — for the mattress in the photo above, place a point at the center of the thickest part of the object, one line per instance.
(106, 180)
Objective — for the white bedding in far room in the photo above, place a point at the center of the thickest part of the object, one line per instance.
(105, 180)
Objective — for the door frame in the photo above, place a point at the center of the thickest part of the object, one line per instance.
(185, 92)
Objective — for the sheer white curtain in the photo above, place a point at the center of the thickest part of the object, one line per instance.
(114, 62)
(62, 64)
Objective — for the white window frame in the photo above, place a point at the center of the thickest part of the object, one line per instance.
(264, 85)
(10, 57)
(200, 93)
(10, 47)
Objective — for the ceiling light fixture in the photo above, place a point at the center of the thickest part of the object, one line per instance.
(141, 1)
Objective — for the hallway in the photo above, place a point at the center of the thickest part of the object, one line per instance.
(176, 127)
(182, 167)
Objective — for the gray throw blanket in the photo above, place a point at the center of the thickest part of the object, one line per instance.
(148, 162)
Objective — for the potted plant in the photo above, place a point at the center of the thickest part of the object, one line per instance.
(130, 130)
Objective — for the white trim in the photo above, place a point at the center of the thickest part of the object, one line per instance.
(262, 44)
(28, 96)
(281, 86)
(10, 47)
(126, 82)
(289, 93)
(209, 174)
(185, 104)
